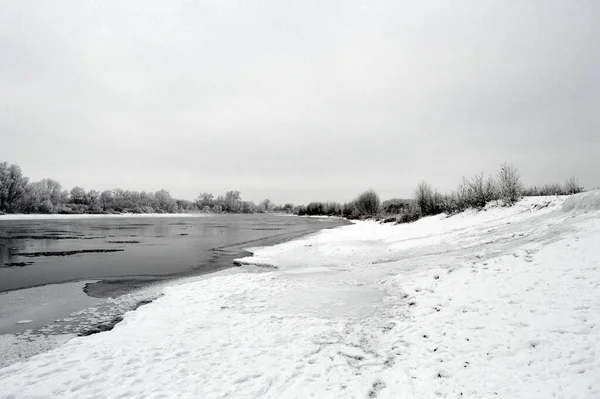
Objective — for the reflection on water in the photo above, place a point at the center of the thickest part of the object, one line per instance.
(149, 250)
(37, 252)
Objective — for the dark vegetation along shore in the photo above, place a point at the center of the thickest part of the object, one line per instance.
(47, 196)
(475, 192)
(19, 195)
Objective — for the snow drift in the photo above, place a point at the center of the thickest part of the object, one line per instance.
(498, 303)
(588, 201)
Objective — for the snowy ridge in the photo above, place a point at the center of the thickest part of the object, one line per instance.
(499, 303)
(588, 201)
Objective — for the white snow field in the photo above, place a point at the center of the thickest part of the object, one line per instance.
(499, 303)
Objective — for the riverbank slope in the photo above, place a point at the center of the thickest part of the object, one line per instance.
(498, 303)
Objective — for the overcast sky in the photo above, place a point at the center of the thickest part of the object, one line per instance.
(299, 100)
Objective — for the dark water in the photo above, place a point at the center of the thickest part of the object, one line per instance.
(85, 274)
(128, 252)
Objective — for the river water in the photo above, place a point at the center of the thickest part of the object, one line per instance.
(67, 276)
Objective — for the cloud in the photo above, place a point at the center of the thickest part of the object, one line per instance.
(298, 100)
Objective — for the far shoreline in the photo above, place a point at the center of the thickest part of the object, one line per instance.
(52, 216)
(57, 216)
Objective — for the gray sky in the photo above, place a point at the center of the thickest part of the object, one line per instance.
(299, 100)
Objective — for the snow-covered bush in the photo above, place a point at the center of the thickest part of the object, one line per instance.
(509, 184)
(409, 214)
(572, 186)
(476, 192)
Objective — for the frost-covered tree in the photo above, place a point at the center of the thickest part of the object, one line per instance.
(205, 199)
(509, 184)
(78, 195)
(12, 186)
(165, 202)
(266, 204)
(232, 202)
(44, 196)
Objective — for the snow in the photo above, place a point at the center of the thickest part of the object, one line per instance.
(587, 201)
(39, 216)
(498, 303)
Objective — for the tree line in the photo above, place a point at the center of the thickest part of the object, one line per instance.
(19, 195)
(475, 192)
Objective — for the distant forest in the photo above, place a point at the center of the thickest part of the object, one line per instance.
(19, 195)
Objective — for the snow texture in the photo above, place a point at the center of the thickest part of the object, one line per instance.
(499, 303)
(588, 201)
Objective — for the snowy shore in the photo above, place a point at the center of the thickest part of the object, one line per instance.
(499, 303)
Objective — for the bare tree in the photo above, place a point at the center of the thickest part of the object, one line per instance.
(367, 203)
(205, 199)
(572, 186)
(12, 186)
(509, 184)
(477, 191)
(266, 204)
(78, 195)
(424, 197)
(429, 201)
(106, 199)
(233, 201)
(165, 202)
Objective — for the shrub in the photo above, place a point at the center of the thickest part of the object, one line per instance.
(551, 189)
(394, 206)
(315, 208)
(509, 184)
(348, 210)
(95, 209)
(545, 190)
(429, 202)
(46, 207)
(332, 209)
(133, 209)
(572, 186)
(367, 203)
(423, 196)
(476, 192)
(410, 214)
(449, 204)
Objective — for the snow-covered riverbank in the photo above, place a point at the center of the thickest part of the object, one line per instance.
(499, 303)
